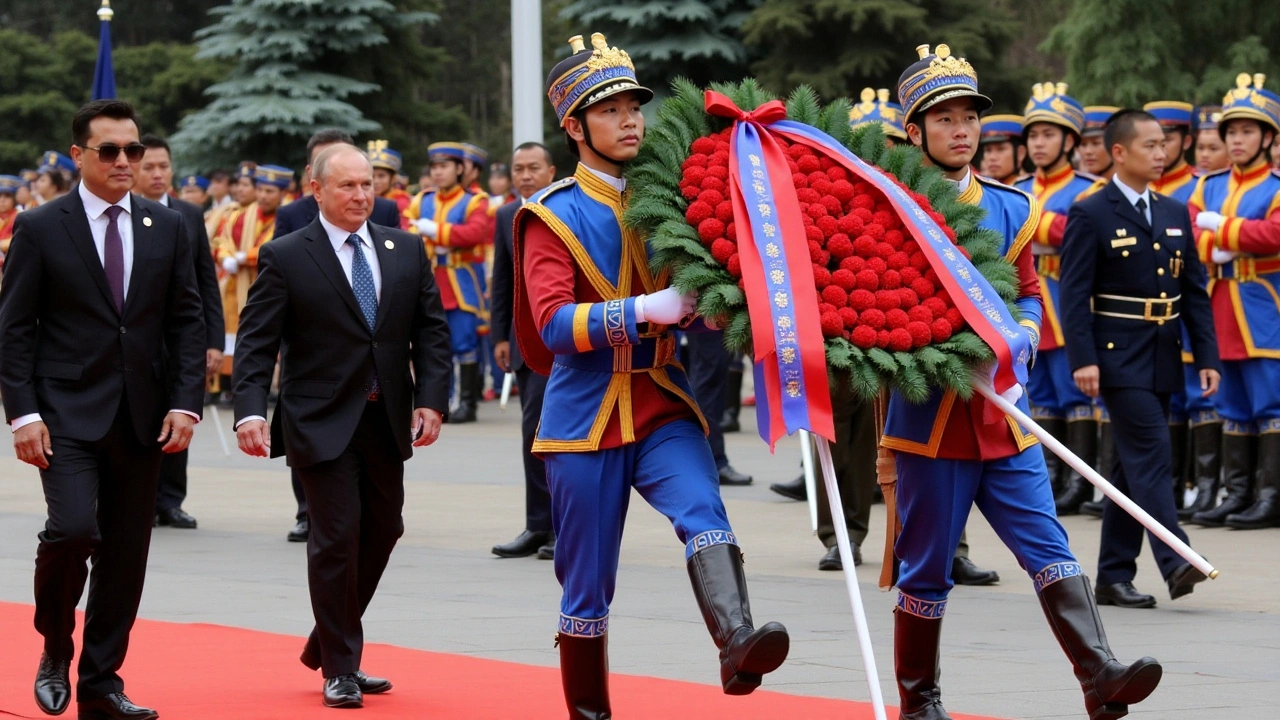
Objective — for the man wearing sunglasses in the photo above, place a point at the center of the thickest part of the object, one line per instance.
(101, 372)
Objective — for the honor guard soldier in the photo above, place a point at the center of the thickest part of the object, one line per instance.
(9, 185)
(618, 411)
(456, 227)
(876, 108)
(386, 166)
(1052, 125)
(195, 190)
(237, 246)
(1129, 272)
(1094, 158)
(1211, 151)
(948, 457)
(1000, 149)
(474, 158)
(1238, 214)
(64, 164)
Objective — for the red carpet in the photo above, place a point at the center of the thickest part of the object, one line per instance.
(203, 672)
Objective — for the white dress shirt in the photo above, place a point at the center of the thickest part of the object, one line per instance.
(963, 183)
(96, 209)
(620, 184)
(1133, 196)
(346, 253)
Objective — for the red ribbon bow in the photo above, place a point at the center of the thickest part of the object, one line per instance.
(720, 104)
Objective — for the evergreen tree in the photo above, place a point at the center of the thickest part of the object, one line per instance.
(287, 82)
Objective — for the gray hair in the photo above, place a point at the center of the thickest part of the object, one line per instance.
(320, 168)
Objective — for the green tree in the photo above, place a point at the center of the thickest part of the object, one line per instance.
(136, 22)
(839, 47)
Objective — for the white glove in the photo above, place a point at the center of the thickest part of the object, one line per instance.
(230, 265)
(1013, 394)
(241, 257)
(428, 227)
(1209, 220)
(665, 307)
(1222, 257)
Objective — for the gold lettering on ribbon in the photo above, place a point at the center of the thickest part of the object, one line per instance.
(764, 210)
(780, 299)
(755, 160)
(788, 355)
(769, 229)
(771, 250)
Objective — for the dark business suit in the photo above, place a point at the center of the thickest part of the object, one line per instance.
(296, 216)
(348, 449)
(537, 499)
(1111, 250)
(173, 467)
(102, 381)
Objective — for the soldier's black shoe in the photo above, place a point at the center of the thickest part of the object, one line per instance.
(964, 572)
(114, 707)
(1183, 580)
(747, 653)
(1093, 508)
(300, 531)
(548, 551)
(584, 674)
(176, 518)
(525, 544)
(343, 691)
(832, 560)
(53, 685)
(729, 476)
(370, 685)
(915, 666)
(1109, 686)
(468, 396)
(1082, 439)
(1239, 461)
(794, 490)
(1123, 595)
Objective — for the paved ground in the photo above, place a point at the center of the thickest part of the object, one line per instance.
(444, 591)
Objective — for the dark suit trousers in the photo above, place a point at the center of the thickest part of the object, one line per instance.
(173, 481)
(1140, 429)
(355, 503)
(101, 499)
(708, 370)
(537, 499)
(298, 495)
(854, 457)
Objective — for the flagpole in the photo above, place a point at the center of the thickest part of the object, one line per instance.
(810, 481)
(104, 74)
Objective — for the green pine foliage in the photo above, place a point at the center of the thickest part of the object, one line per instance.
(657, 208)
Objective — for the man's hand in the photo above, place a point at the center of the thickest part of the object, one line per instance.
(665, 307)
(176, 432)
(1087, 380)
(212, 362)
(32, 445)
(502, 355)
(426, 426)
(253, 438)
(1209, 382)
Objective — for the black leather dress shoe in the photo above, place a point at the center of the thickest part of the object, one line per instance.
(1123, 595)
(370, 685)
(1092, 508)
(176, 518)
(53, 685)
(964, 572)
(729, 476)
(794, 490)
(343, 691)
(548, 551)
(1182, 581)
(114, 707)
(300, 531)
(832, 561)
(525, 544)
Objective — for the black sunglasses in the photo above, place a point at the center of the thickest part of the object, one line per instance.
(108, 153)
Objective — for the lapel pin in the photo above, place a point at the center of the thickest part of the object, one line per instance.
(146, 221)
(390, 245)
(1121, 232)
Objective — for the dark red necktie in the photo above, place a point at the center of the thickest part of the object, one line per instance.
(113, 257)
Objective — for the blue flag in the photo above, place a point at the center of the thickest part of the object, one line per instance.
(104, 75)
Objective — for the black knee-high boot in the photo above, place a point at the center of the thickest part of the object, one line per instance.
(1239, 463)
(1110, 686)
(915, 665)
(1082, 439)
(747, 653)
(1057, 427)
(1178, 435)
(1206, 456)
(584, 672)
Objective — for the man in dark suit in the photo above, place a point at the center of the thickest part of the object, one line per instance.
(296, 216)
(1130, 270)
(349, 306)
(154, 182)
(531, 170)
(101, 369)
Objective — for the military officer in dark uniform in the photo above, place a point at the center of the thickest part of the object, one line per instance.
(1130, 270)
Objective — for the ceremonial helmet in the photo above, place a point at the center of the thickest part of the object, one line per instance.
(1001, 128)
(935, 77)
(1050, 103)
(382, 157)
(1249, 100)
(475, 154)
(1172, 114)
(1095, 119)
(273, 175)
(1207, 117)
(876, 108)
(58, 161)
(588, 76)
(9, 184)
(195, 181)
(437, 152)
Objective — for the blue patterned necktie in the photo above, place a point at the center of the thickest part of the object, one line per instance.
(366, 295)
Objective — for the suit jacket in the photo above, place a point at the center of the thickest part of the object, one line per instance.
(1110, 249)
(303, 307)
(206, 276)
(67, 353)
(303, 211)
(503, 291)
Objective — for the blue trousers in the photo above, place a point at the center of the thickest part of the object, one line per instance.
(1052, 391)
(1250, 393)
(1189, 403)
(672, 470)
(464, 334)
(934, 497)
